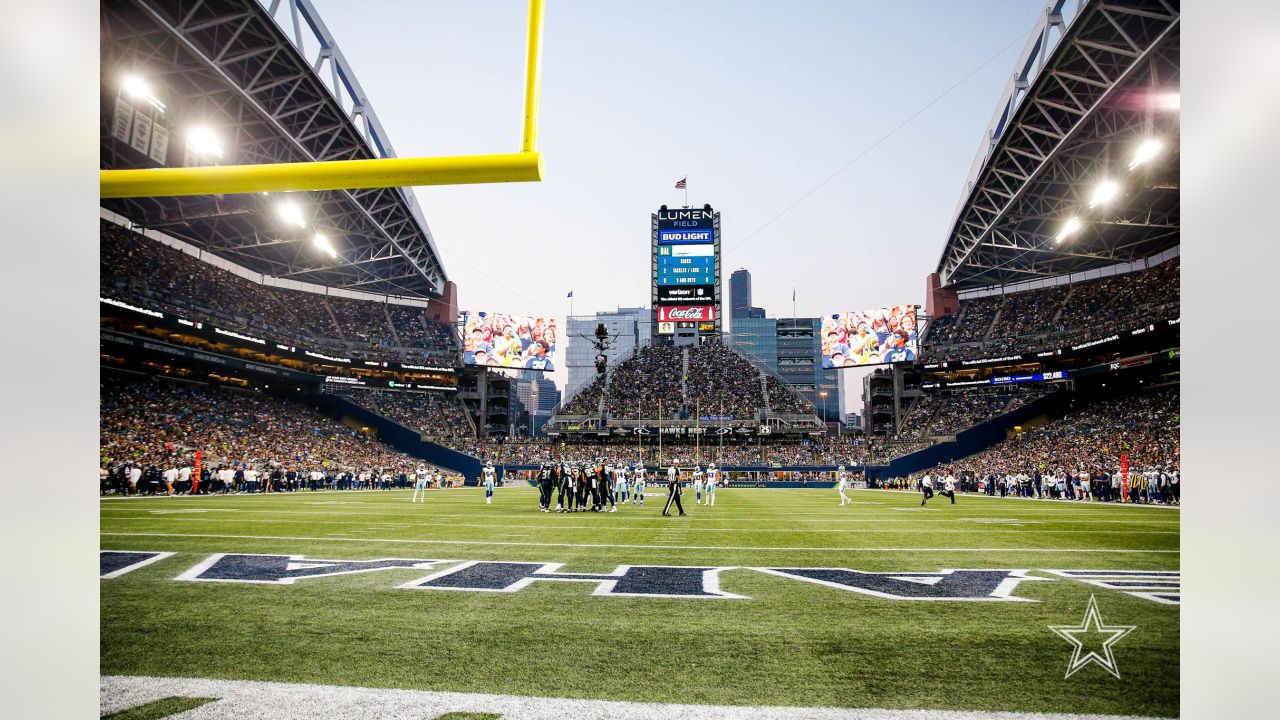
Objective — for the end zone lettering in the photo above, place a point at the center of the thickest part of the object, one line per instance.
(655, 581)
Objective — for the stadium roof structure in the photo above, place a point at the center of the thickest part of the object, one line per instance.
(1085, 93)
(272, 83)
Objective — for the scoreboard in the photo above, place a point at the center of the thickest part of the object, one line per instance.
(686, 272)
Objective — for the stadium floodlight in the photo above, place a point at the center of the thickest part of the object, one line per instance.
(290, 212)
(1169, 101)
(202, 140)
(137, 88)
(1147, 150)
(1104, 193)
(1069, 228)
(322, 243)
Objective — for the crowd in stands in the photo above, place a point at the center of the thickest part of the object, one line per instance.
(1053, 316)
(1080, 452)
(152, 425)
(438, 416)
(719, 382)
(947, 414)
(145, 272)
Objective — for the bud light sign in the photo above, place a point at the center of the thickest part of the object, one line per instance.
(686, 313)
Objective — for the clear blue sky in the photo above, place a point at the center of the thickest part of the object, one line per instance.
(756, 102)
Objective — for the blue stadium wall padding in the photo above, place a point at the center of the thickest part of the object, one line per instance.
(404, 439)
(968, 442)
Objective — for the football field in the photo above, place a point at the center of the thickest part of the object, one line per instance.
(773, 598)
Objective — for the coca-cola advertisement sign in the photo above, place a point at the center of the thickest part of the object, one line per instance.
(686, 313)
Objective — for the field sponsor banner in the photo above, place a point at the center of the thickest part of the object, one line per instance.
(870, 337)
(525, 342)
(686, 313)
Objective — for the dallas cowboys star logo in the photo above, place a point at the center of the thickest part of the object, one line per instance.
(1092, 625)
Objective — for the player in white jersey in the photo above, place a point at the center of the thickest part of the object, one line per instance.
(949, 488)
(713, 478)
(842, 484)
(420, 483)
(638, 489)
(620, 483)
(697, 484)
(490, 477)
(926, 487)
(170, 477)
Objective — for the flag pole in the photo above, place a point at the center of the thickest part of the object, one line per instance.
(697, 436)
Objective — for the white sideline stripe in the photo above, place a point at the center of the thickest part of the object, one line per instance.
(647, 547)
(287, 701)
(1065, 503)
(988, 526)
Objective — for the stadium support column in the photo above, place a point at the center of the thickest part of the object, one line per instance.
(939, 301)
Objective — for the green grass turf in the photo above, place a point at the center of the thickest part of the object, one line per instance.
(161, 708)
(792, 643)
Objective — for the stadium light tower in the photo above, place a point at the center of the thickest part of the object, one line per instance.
(1104, 193)
(823, 395)
(1069, 228)
(1146, 150)
(136, 87)
(290, 212)
(322, 243)
(203, 141)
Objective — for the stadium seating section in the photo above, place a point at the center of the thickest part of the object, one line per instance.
(1051, 317)
(162, 422)
(716, 380)
(147, 273)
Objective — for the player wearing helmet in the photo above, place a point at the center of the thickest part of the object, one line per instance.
(490, 479)
(842, 484)
(713, 479)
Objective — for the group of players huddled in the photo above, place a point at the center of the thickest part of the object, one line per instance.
(602, 485)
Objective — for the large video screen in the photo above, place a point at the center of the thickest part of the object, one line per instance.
(870, 337)
(519, 342)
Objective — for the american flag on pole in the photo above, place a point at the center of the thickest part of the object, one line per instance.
(680, 184)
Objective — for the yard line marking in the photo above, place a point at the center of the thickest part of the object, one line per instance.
(290, 701)
(648, 547)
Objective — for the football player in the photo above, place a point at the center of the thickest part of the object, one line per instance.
(697, 484)
(713, 478)
(420, 484)
(842, 483)
(638, 489)
(546, 476)
(490, 477)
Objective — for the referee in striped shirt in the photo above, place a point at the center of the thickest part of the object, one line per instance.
(673, 490)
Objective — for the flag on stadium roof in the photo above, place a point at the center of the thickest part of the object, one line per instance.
(680, 184)
(570, 294)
